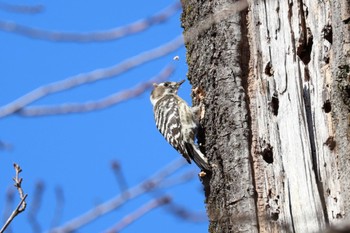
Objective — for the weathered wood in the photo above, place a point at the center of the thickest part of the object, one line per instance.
(338, 197)
(277, 132)
(291, 87)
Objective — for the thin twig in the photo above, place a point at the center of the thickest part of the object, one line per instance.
(186, 214)
(189, 175)
(175, 209)
(118, 173)
(106, 102)
(22, 9)
(35, 206)
(112, 34)
(18, 185)
(18, 210)
(5, 146)
(59, 207)
(22, 204)
(10, 198)
(140, 212)
(93, 76)
(108, 206)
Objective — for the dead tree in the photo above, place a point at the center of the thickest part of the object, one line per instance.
(275, 76)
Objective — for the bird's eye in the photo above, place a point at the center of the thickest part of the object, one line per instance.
(166, 84)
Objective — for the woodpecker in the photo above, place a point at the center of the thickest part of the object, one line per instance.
(176, 121)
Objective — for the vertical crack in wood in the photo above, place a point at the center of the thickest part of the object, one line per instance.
(292, 35)
(278, 20)
(311, 126)
(244, 65)
(290, 209)
(306, 38)
(267, 28)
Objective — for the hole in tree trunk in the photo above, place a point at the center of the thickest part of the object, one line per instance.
(267, 153)
(327, 107)
(274, 104)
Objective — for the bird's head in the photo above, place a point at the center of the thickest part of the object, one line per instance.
(163, 89)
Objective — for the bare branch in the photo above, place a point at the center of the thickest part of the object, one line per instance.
(187, 176)
(112, 34)
(18, 210)
(140, 212)
(23, 9)
(5, 146)
(10, 198)
(59, 207)
(18, 185)
(117, 170)
(35, 206)
(177, 210)
(97, 104)
(93, 76)
(22, 204)
(186, 214)
(108, 206)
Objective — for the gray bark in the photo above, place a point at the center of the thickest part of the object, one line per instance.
(213, 56)
(276, 85)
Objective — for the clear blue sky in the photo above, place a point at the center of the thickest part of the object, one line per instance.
(75, 151)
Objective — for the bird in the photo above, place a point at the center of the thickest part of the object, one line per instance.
(176, 121)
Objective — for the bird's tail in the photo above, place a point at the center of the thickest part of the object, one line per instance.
(198, 157)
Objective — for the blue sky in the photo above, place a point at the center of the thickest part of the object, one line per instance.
(75, 151)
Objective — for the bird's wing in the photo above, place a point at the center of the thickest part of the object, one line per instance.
(169, 124)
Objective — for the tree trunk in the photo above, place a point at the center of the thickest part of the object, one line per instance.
(276, 84)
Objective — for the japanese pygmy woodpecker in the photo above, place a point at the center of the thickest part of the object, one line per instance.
(177, 122)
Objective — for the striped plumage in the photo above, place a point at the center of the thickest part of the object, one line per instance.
(175, 121)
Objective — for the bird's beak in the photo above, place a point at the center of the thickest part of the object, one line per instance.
(155, 84)
(181, 82)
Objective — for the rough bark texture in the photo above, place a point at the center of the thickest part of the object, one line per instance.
(277, 111)
(215, 66)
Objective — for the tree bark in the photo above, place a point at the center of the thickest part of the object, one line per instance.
(276, 84)
(215, 65)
